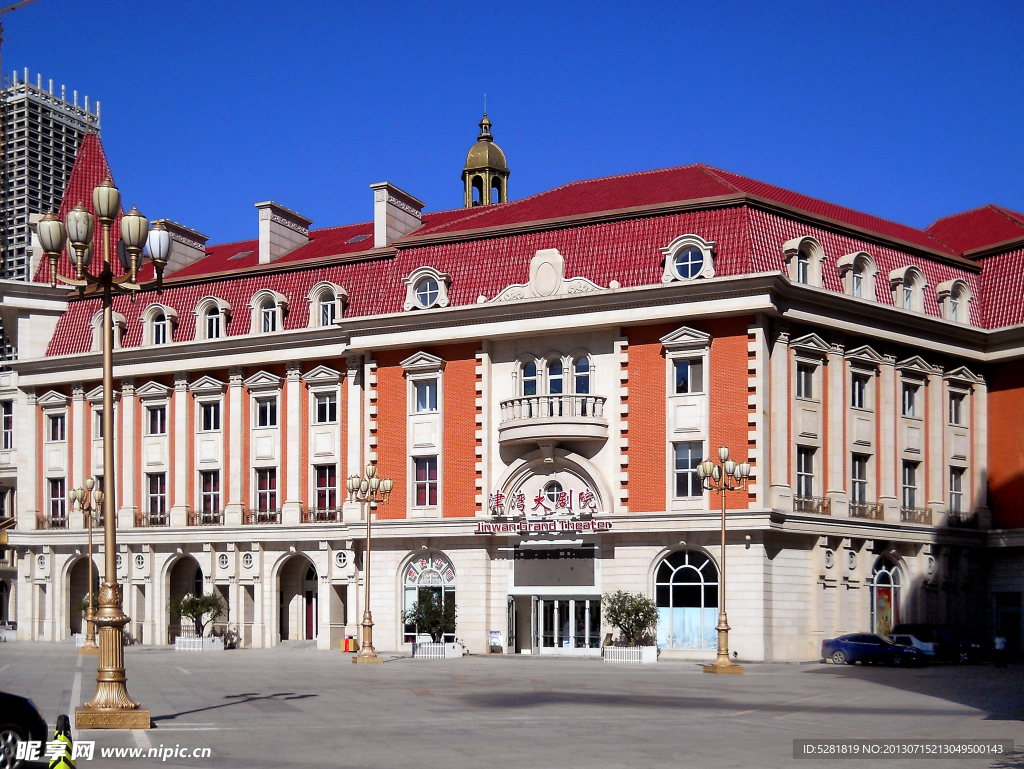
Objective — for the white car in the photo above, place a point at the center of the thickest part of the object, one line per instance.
(905, 639)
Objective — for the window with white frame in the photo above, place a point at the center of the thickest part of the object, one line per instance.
(211, 318)
(857, 272)
(326, 407)
(859, 391)
(156, 497)
(688, 257)
(805, 381)
(911, 400)
(908, 286)
(161, 329)
(268, 318)
(328, 309)
(156, 420)
(209, 491)
(425, 489)
(266, 412)
(266, 489)
(805, 471)
(55, 428)
(7, 419)
(209, 417)
(212, 323)
(910, 497)
(804, 257)
(688, 455)
(956, 489)
(427, 291)
(97, 423)
(859, 477)
(581, 376)
(425, 396)
(426, 288)
(268, 309)
(956, 408)
(326, 304)
(689, 375)
(57, 502)
(530, 379)
(954, 298)
(326, 487)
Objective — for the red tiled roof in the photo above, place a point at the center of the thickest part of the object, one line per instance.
(978, 228)
(1002, 289)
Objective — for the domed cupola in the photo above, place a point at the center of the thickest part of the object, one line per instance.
(486, 175)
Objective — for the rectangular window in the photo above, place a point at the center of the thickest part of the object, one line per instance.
(859, 473)
(266, 489)
(956, 489)
(55, 427)
(156, 420)
(212, 325)
(803, 268)
(326, 408)
(210, 484)
(426, 396)
(157, 493)
(326, 487)
(688, 456)
(858, 284)
(7, 417)
(425, 493)
(97, 424)
(266, 412)
(859, 392)
(327, 311)
(689, 376)
(954, 309)
(956, 408)
(58, 500)
(269, 319)
(910, 392)
(160, 332)
(910, 484)
(804, 381)
(907, 298)
(210, 417)
(804, 471)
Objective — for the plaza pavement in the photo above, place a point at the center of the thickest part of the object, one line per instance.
(299, 707)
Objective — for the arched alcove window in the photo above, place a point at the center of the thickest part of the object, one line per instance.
(803, 257)
(908, 286)
(428, 577)
(96, 326)
(326, 304)
(212, 316)
(268, 310)
(158, 324)
(857, 272)
(954, 297)
(478, 191)
(885, 596)
(581, 375)
(686, 591)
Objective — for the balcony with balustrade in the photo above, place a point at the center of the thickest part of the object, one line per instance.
(921, 515)
(815, 505)
(546, 419)
(868, 510)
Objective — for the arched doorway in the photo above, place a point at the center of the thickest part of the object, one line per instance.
(186, 577)
(885, 596)
(686, 590)
(428, 574)
(78, 591)
(298, 600)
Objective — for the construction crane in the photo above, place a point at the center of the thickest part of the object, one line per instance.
(3, 157)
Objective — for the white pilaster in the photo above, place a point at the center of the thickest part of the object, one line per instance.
(353, 463)
(836, 448)
(979, 455)
(79, 449)
(128, 454)
(935, 467)
(781, 493)
(888, 467)
(183, 430)
(290, 511)
(236, 421)
(29, 429)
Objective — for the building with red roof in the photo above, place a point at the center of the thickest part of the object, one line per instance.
(541, 378)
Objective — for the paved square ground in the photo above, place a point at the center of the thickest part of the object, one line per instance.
(299, 707)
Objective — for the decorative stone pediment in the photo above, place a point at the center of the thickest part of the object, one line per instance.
(95, 395)
(547, 278)
(153, 391)
(422, 363)
(916, 365)
(322, 375)
(207, 385)
(686, 338)
(963, 376)
(263, 380)
(811, 344)
(52, 399)
(865, 356)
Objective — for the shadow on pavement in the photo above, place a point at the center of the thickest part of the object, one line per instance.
(267, 703)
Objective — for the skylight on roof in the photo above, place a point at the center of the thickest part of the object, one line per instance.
(357, 239)
(240, 255)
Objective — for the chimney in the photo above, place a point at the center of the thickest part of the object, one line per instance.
(281, 231)
(395, 214)
(187, 246)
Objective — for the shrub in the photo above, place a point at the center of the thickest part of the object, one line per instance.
(431, 614)
(196, 607)
(634, 614)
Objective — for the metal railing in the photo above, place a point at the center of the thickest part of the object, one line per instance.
(49, 521)
(144, 519)
(816, 505)
(869, 510)
(321, 515)
(552, 406)
(205, 517)
(962, 519)
(260, 516)
(916, 515)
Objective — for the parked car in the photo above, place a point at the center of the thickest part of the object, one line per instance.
(927, 648)
(19, 722)
(869, 648)
(951, 645)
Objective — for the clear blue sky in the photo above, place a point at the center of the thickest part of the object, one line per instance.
(906, 110)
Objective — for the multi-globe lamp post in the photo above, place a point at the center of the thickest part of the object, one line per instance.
(366, 490)
(83, 499)
(723, 477)
(111, 707)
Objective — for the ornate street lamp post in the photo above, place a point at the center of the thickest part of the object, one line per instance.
(727, 476)
(111, 707)
(83, 499)
(365, 490)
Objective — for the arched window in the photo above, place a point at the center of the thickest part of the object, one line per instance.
(211, 318)
(428, 577)
(581, 376)
(425, 288)
(161, 331)
(908, 286)
(328, 308)
(478, 191)
(857, 272)
(268, 309)
(686, 590)
(158, 323)
(530, 379)
(556, 387)
(804, 256)
(212, 323)
(954, 299)
(326, 304)
(885, 596)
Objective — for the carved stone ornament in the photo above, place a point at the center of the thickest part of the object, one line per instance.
(547, 278)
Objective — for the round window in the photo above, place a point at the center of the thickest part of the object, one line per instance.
(930, 565)
(426, 292)
(41, 562)
(223, 560)
(118, 561)
(247, 560)
(140, 561)
(552, 490)
(830, 559)
(341, 559)
(851, 560)
(689, 262)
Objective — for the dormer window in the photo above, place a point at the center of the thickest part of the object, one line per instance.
(96, 325)
(426, 292)
(328, 309)
(268, 309)
(158, 324)
(212, 323)
(211, 318)
(268, 318)
(954, 297)
(803, 268)
(804, 257)
(160, 330)
(857, 272)
(326, 304)
(426, 288)
(908, 286)
(688, 257)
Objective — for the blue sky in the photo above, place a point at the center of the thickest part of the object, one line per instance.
(905, 110)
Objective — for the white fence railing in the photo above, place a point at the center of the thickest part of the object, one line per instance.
(436, 651)
(208, 644)
(549, 406)
(631, 655)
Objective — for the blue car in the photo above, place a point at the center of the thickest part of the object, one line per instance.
(869, 648)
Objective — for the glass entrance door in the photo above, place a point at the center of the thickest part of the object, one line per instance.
(567, 625)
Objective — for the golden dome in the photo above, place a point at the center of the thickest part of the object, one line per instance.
(485, 153)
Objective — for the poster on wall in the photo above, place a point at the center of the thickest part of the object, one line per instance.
(883, 610)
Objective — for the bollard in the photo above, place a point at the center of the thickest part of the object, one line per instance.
(62, 733)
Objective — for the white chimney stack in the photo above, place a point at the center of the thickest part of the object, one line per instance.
(187, 246)
(395, 214)
(281, 231)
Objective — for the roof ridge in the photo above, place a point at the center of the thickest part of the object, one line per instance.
(960, 213)
(714, 173)
(1013, 216)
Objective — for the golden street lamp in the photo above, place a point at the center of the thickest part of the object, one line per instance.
(365, 490)
(727, 476)
(83, 499)
(111, 707)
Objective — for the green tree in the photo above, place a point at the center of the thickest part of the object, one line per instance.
(634, 614)
(431, 614)
(201, 609)
(83, 603)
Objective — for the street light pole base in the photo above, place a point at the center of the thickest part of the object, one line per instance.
(111, 718)
(727, 668)
(367, 659)
(93, 650)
